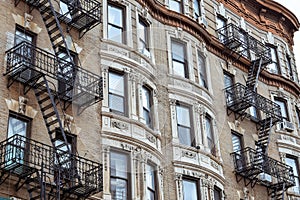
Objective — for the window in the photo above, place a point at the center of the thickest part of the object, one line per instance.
(184, 125)
(228, 80)
(217, 193)
(237, 144)
(151, 182)
(197, 9)
(144, 37)
(209, 134)
(293, 162)
(289, 64)
(274, 67)
(175, 5)
(179, 60)
(202, 71)
(119, 176)
(17, 125)
(283, 108)
(60, 145)
(64, 10)
(23, 35)
(253, 113)
(116, 91)
(116, 23)
(298, 116)
(221, 22)
(244, 39)
(147, 97)
(190, 189)
(66, 73)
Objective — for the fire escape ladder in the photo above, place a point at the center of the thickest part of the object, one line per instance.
(253, 74)
(46, 99)
(264, 133)
(277, 192)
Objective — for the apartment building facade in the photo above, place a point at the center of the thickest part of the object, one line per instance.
(148, 100)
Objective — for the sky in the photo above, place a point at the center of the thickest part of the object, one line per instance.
(294, 5)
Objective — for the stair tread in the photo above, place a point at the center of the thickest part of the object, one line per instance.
(43, 109)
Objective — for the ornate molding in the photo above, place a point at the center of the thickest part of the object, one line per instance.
(188, 154)
(119, 124)
(21, 107)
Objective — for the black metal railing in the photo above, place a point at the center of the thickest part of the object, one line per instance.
(90, 7)
(25, 56)
(238, 96)
(253, 164)
(81, 175)
(240, 41)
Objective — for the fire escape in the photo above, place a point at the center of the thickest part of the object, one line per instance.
(253, 165)
(53, 172)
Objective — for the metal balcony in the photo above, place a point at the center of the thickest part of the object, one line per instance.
(239, 41)
(256, 167)
(25, 63)
(23, 158)
(80, 14)
(238, 99)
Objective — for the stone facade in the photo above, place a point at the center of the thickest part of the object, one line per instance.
(102, 131)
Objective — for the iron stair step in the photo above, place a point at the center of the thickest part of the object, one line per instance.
(51, 114)
(53, 30)
(44, 99)
(55, 37)
(47, 107)
(55, 46)
(51, 23)
(41, 92)
(52, 122)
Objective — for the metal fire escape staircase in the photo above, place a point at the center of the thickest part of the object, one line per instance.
(37, 69)
(254, 166)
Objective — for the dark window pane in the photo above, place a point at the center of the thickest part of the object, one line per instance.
(202, 71)
(118, 165)
(175, 5)
(183, 115)
(236, 143)
(197, 12)
(118, 189)
(217, 193)
(184, 135)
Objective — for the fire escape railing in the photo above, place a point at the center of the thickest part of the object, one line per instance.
(27, 60)
(238, 98)
(259, 168)
(80, 14)
(21, 156)
(254, 166)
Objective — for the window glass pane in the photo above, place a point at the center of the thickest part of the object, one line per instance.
(189, 190)
(115, 33)
(175, 5)
(118, 189)
(115, 16)
(196, 9)
(178, 51)
(118, 165)
(273, 66)
(16, 126)
(146, 98)
(64, 10)
(150, 177)
(298, 116)
(253, 111)
(209, 134)
(202, 70)
(283, 108)
(150, 195)
(116, 83)
(220, 22)
(22, 36)
(183, 115)
(184, 135)
(228, 80)
(293, 163)
(236, 143)
(116, 103)
(217, 193)
(179, 68)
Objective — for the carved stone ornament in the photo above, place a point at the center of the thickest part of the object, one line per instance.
(22, 104)
(127, 147)
(119, 124)
(189, 154)
(151, 138)
(27, 19)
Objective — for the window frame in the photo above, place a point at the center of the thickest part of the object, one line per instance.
(285, 103)
(122, 28)
(180, 6)
(150, 101)
(240, 138)
(184, 63)
(128, 178)
(145, 41)
(125, 107)
(213, 148)
(202, 77)
(194, 180)
(195, 14)
(26, 32)
(298, 115)
(219, 191)
(155, 191)
(22, 118)
(276, 61)
(191, 131)
(289, 65)
(220, 18)
(294, 158)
